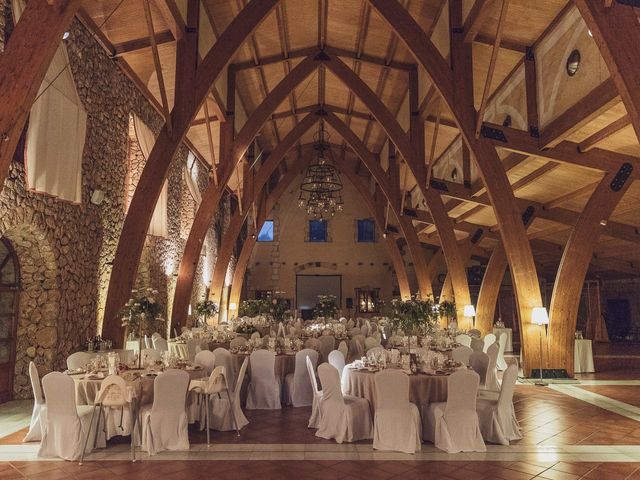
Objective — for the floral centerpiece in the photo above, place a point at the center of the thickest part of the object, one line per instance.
(278, 307)
(326, 306)
(447, 310)
(253, 308)
(142, 315)
(205, 309)
(246, 326)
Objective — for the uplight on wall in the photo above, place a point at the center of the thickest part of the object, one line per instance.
(233, 306)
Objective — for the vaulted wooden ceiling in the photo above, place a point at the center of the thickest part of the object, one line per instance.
(352, 30)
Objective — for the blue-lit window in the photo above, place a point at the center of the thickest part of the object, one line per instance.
(366, 231)
(317, 230)
(266, 232)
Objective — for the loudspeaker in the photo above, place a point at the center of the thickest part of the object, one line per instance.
(349, 302)
(97, 197)
(549, 373)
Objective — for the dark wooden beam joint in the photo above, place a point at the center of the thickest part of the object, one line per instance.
(527, 215)
(621, 177)
(493, 134)
(477, 236)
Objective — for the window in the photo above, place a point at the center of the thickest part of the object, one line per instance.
(317, 230)
(366, 231)
(368, 300)
(266, 232)
(573, 63)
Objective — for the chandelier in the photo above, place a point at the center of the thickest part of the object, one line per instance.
(320, 189)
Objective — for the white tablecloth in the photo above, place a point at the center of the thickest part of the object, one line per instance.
(134, 345)
(583, 357)
(509, 345)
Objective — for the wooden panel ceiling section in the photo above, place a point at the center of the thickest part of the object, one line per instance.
(579, 119)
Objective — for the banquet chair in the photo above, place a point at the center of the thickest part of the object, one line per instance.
(491, 382)
(65, 424)
(477, 345)
(148, 342)
(112, 396)
(370, 342)
(464, 339)
(344, 349)
(489, 339)
(498, 422)
(194, 345)
(238, 342)
(160, 343)
(224, 358)
(327, 344)
(297, 388)
(356, 350)
(343, 418)
(313, 343)
(461, 354)
(337, 360)
(225, 414)
(78, 360)
(375, 351)
(314, 419)
(397, 424)
(150, 355)
(255, 335)
(207, 360)
(364, 330)
(164, 424)
(215, 384)
(502, 343)
(35, 428)
(264, 388)
(474, 333)
(350, 324)
(479, 363)
(453, 425)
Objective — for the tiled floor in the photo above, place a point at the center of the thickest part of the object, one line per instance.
(570, 432)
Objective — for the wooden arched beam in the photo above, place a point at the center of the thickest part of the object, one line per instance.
(23, 65)
(348, 169)
(574, 264)
(615, 31)
(466, 248)
(460, 102)
(213, 193)
(192, 87)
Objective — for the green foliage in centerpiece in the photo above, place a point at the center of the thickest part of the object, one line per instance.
(141, 314)
(415, 316)
(206, 309)
(252, 308)
(326, 306)
(447, 309)
(278, 308)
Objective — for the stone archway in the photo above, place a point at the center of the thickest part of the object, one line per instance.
(39, 302)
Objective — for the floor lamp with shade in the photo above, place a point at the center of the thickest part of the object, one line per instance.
(540, 317)
(470, 311)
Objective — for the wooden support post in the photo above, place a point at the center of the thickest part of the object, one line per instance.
(531, 92)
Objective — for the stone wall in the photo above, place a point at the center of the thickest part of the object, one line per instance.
(65, 251)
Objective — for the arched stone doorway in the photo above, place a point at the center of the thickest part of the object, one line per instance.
(9, 314)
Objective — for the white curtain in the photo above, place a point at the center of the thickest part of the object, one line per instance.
(146, 140)
(190, 174)
(56, 133)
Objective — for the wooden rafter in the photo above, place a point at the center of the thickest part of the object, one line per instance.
(138, 44)
(475, 19)
(604, 133)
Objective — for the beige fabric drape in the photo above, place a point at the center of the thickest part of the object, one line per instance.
(56, 133)
(190, 173)
(146, 140)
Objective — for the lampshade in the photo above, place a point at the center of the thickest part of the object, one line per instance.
(539, 316)
(469, 311)
(232, 306)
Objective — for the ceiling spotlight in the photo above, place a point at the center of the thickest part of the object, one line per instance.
(590, 34)
(384, 235)
(603, 223)
(253, 235)
(65, 35)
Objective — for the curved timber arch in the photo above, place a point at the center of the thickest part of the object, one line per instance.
(460, 102)
(192, 86)
(347, 168)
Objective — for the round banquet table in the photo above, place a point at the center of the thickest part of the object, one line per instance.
(423, 388)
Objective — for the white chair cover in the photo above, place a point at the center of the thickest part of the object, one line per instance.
(159, 343)
(498, 422)
(327, 344)
(364, 329)
(477, 345)
(344, 349)
(491, 382)
(224, 358)
(343, 418)
(313, 343)
(255, 335)
(298, 389)
(489, 339)
(314, 420)
(370, 342)
(337, 360)
(194, 345)
(35, 430)
(148, 342)
(79, 360)
(453, 426)
(165, 423)
(116, 400)
(474, 333)
(65, 425)
(461, 354)
(479, 363)
(463, 339)
(207, 360)
(397, 424)
(220, 417)
(264, 388)
(502, 343)
(356, 349)
(238, 342)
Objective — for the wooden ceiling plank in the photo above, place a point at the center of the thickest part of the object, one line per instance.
(171, 14)
(476, 18)
(570, 196)
(138, 44)
(601, 135)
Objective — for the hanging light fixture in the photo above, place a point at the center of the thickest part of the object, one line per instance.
(320, 189)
